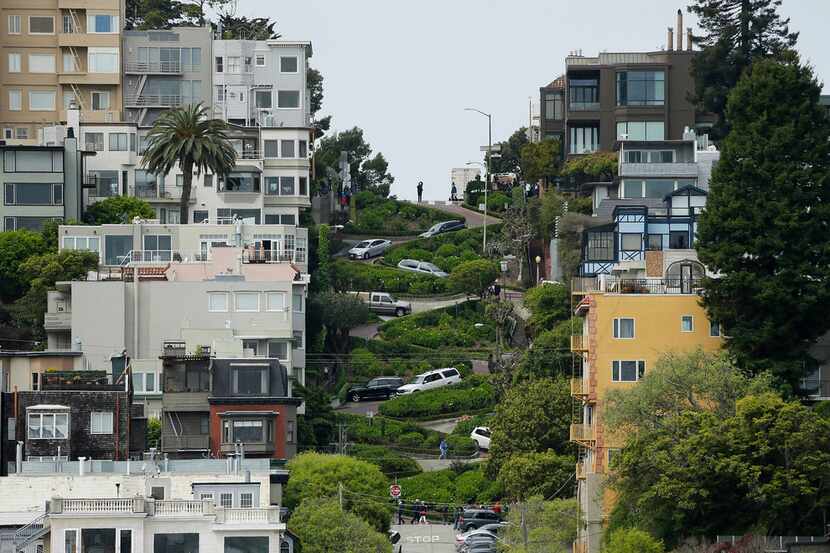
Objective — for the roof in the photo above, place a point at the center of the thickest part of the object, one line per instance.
(606, 208)
(558, 82)
(687, 188)
(225, 484)
(46, 353)
(47, 407)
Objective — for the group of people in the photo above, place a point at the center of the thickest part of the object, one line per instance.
(418, 509)
(418, 512)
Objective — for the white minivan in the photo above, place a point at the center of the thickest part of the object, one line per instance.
(430, 380)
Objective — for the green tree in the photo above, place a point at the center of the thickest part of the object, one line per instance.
(551, 526)
(314, 81)
(537, 473)
(736, 33)
(540, 160)
(374, 175)
(632, 540)
(774, 286)
(316, 427)
(118, 210)
(474, 277)
(550, 353)
(598, 166)
(771, 458)
(340, 313)
(322, 528)
(315, 476)
(186, 138)
(240, 27)
(152, 14)
(369, 173)
(510, 153)
(323, 275)
(551, 210)
(533, 417)
(15, 248)
(152, 436)
(549, 304)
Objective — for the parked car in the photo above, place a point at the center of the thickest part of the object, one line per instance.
(479, 543)
(422, 267)
(473, 519)
(430, 380)
(382, 387)
(481, 436)
(488, 529)
(384, 303)
(369, 248)
(446, 226)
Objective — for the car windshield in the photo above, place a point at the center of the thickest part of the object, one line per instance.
(417, 379)
(435, 227)
(430, 266)
(364, 244)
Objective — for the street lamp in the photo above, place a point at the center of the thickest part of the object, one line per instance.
(489, 155)
(538, 274)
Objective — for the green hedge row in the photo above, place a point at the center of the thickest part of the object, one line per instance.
(408, 436)
(389, 216)
(452, 326)
(365, 277)
(466, 486)
(473, 394)
(391, 464)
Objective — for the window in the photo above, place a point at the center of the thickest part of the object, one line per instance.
(553, 106)
(41, 63)
(584, 140)
(297, 339)
(600, 246)
(102, 24)
(303, 186)
(233, 65)
(206, 497)
(262, 99)
(278, 350)
(247, 431)
(287, 148)
(260, 61)
(41, 100)
(126, 539)
(15, 100)
(288, 99)
(246, 500)
(226, 500)
(631, 242)
(14, 24)
(21, 133)
(302, 151)
(94, 540)
(102, 60)
(627, 371)
(641, 130)
(175, 543)
(200, 215)
(41, 25)
(288, 64)
(208, 181)
(219, 65)
(297, 302)
(276, 301)
(272, 148)
(299, 251)
(15, 63)
(100, 423)
(70, 541)
(220, 93)
(247, 61)
(217, 302)
(100, 101)
(179, 181)
(70, 65)
(35, 381)
(623, 328)
(33, 193)
(85, 243)
(654, 242)
(68, 24)
(116, 248)
(48, 426)
(679, 240)
(247, 301)
(648, 156)
(289, 432)
(286, 186)
(94, 141)
(138, 382)
(640, 88)
(158, 247)
(714, 329)
(157, 492)
(119, 142)
(248, 544)
(583, 93)
(687, 323)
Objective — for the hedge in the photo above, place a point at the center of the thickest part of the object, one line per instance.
(382, 431)
(391, 464)
(468, 485)
(445, 250)
(452, 326)
(472, 394)
(391, 217)
(365, 277)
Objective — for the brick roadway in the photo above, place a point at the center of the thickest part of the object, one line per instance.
(425, 538)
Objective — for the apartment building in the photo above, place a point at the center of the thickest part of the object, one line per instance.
(461, 176)
(54, 53)
(635, 95)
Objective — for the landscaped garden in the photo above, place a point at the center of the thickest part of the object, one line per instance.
(392, 217)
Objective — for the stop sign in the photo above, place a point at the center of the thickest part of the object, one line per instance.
(395, 491)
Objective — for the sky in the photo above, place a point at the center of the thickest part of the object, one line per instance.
(405, 71)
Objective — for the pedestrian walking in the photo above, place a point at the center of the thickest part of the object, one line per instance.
(443, 447)
(400, 512)
(420, 191)
(453, 193)
(416, 511)
(423, 519)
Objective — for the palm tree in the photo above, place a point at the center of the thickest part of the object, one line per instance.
(185, 136)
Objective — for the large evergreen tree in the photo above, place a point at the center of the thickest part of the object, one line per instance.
(767, 217)
(735, 34)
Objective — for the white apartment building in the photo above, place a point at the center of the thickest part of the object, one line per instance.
(461, 176)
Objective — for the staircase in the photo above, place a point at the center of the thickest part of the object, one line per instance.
(25, 537)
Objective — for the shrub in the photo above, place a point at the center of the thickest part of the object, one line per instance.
(391, 216)
(497, 201)
(475, 395)
(446, 250)
(350, 275)
(391, 464)
(469, 485)
(441, 328)
(411, 440)
(473, 277)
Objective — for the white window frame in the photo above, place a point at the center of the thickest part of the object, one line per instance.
(54, 99)
(16, 25)
(43, 17)
(75, 241)
(18, 66)
(42, 56)
(238, 295)
(90, 28)
(118, 532)
(297, 304)
(271, 307)
(77, 532)
(92, 68)
(205, 496)
(19, 94)
(682, 323)
(104, 426)
(617, 328)
(712, 327)
(290, 72)
(295, 343)
(102, 94)
(299, 99)
(258, 58)
(54, 417)
(242, 497)
(619, 370)
(223, 496)
(210, 302)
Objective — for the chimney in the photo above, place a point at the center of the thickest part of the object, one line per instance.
(679, 30)
(689, 39)
(670, 41)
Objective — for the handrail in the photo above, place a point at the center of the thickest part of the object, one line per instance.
(164, 100)
(117, 505)
(153, 67)
(174, 507)
(23, 534)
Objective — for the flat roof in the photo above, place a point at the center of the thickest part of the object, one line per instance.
(47, 353)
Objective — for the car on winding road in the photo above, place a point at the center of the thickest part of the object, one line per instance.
(369, 248)
(440, 228)
(382, 387)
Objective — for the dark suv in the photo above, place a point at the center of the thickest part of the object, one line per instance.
(378, 388)
(473, 519)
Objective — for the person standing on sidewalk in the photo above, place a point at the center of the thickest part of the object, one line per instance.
(420, 191)
(443, 447)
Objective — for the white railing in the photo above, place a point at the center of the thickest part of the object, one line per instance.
(160, 100)
(179, 508)
(153, 67)
(98, 505)
(244, 516)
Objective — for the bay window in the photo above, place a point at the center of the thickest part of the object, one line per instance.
(48, 426)
(641, 88)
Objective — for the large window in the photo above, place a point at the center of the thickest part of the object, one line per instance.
(641, 88)
(217, 302)
(584, 140)
(262, 99)
(583, 94)
(33, 193)
(250, 380)
(102, 23)
(649, 156)
(97, 540)
(85, 243)
(278, 350)
(623, 328)
(288, 99)
(41, 100)
(240, 182)
(175, 543)
(287, 148)
(247, 544)
(94, 141)
(641, 130)
(272, 148)
(246, 431)
(554, 107)
(48, 426)
(286, 186)
(100, 422)
(600, 246)
(116, 248)
(158, 247)
(119, 142)
(288, 64)
(41, 25)
(102, 60)
(33, 161)
(247, 301)
(276, 301)
(630, 241)
(652, 188)
(627, 371)
(41, 63)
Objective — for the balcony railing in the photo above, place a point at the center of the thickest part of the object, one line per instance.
(611, 285)
(578, 387)
(177, 508)
(154, 100)
(97, 505)
(583, 106)
(584, 285)
(579, 343)
(57, 321)
(185, 442)
(145, 191)
(582, 433)
(268, 515)
(171, 67)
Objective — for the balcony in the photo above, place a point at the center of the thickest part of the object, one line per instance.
(657, 170)
(582, 433)
(88, 40)
(580, 470)
(258, 516)
(584, 285)
(653, 286)
(57, 321)
(153, 68)
(185, 442)
(153, 101)
(579, 343)
(579, 387)
(583, 106)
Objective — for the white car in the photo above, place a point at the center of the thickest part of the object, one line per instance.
(369, 248)
(431, 380)
(446, 226)
(481, 436)
(422, 267)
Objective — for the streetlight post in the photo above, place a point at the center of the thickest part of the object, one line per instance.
(489, 155)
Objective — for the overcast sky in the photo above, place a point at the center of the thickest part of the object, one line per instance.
(405, 71)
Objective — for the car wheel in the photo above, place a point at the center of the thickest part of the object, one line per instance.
(366, 255)
(399, 312)
(388, 395)
(355, 397)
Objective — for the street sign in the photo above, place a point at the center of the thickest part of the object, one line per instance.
(493, 148)
(395, 491)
